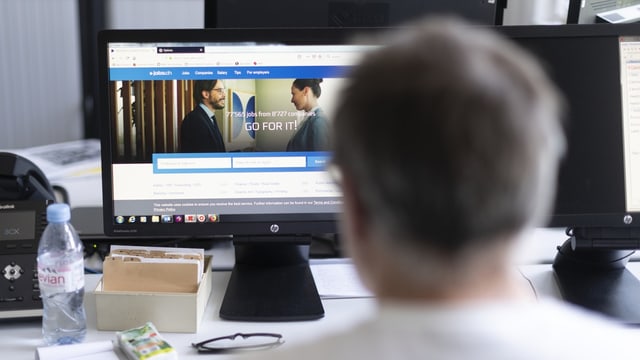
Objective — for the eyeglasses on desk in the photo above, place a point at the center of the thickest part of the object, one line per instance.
(239, 342)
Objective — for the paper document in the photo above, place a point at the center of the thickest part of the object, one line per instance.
(97, 350)
(338, 279)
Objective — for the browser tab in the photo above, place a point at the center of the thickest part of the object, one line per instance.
(180, 49)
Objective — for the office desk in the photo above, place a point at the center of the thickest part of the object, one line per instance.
(19, 338)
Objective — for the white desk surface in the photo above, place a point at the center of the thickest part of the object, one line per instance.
(19, 338)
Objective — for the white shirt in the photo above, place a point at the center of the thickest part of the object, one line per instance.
(506, 330)
(207, 110)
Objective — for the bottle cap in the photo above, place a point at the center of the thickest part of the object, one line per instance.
(58, 213)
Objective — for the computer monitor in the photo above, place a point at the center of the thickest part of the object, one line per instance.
(598, 195)
(270, 197)
(345, 13)
(602, 11)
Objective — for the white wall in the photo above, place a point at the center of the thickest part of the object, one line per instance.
(40, 65)
(546, 12)
(40, 74)
(155, 14)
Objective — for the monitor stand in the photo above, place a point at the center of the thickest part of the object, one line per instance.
(271, 281)
(598, 280)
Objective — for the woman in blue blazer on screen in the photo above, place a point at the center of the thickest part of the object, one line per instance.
(313, 133)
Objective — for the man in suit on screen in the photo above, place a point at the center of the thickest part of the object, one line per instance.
(199, 131)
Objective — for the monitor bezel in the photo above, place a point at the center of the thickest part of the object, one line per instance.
(221, 14)
(580, 219)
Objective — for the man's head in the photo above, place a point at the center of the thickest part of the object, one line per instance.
(209, 92)
(457, 151)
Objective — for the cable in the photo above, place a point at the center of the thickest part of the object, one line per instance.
(533, 288)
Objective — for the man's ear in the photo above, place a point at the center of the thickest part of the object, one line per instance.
(358, 234)
(205, 94)
(356, 216)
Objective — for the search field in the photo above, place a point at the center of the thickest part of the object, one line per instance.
(270, 162)
(183, 163)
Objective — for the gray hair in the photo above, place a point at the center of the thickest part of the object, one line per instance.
(453, 137)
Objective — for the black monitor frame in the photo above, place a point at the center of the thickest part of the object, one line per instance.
(590, 203)
(606, 150)
(271, 279)
(348, 13)
(316, 224)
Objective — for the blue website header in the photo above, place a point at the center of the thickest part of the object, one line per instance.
(236, 72)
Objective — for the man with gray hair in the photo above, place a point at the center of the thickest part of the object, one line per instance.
(446, 144)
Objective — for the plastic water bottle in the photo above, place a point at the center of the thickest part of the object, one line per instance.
(61, 279)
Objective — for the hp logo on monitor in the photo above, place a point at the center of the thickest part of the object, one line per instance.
(274, 228)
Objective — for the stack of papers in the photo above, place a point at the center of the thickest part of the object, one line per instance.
(97, 350)
(337, 279)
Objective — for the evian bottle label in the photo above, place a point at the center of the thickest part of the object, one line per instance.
(61, 279)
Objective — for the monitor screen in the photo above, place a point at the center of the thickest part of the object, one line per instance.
(346, 13)
(223, 132)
